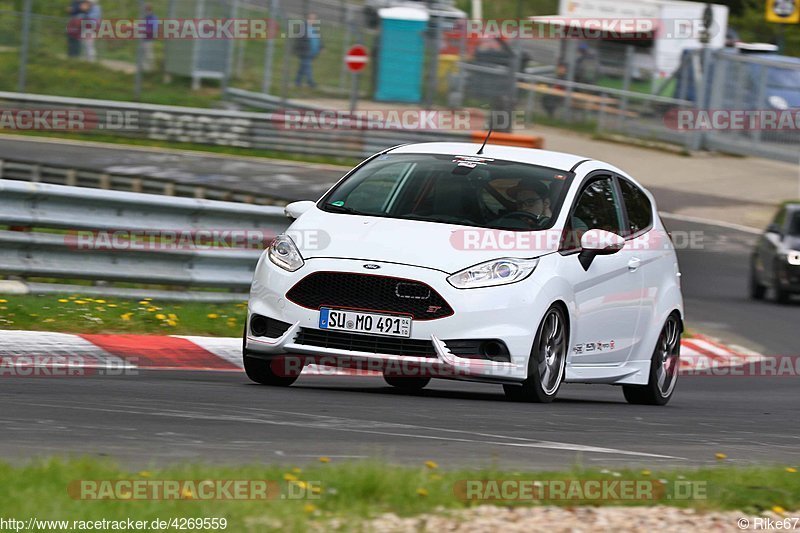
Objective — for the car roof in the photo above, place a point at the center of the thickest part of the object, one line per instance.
(545, 158)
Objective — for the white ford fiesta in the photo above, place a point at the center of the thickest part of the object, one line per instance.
(521, 267)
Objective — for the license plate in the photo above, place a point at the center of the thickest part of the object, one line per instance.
(357, 322)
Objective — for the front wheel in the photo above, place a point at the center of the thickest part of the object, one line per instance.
(547, 361)
(663, 368)
(407, 382)
(757, 290)
(276, 372)
(782, 296)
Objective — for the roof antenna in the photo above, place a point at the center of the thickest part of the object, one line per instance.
(491, 127)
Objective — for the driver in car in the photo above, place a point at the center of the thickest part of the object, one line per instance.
(532, 199)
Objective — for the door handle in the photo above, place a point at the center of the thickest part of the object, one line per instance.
(633, 264)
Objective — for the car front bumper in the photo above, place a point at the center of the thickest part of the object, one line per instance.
(507, 313)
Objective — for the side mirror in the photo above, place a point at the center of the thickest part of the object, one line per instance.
(598, 242)
(295, 209)
(774, 228)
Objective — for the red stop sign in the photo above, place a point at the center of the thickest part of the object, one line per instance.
(356, 58)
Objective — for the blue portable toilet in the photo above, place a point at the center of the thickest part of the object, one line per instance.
(401, 54)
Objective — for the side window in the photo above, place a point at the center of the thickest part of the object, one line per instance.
(597, 207)
(640, 212)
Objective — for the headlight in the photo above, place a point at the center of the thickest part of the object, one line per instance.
(285, 254)
(491, 273)
(793, 257)
(778, 102)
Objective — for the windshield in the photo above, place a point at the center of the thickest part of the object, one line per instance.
(794, 226)
(465, 190)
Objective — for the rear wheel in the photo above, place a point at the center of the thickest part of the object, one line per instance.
(407, 382)
(547, 361)
(663, 368)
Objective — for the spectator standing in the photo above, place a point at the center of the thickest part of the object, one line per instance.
(307, 47)
(75, 13)
(93, 14)
(151, 32)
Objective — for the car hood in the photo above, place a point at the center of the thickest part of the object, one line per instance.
(445, 247)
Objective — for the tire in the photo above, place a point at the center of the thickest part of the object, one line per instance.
(547, 361)
(782, 296)
(407, 382)
(757, 290)
(266, 371)
(263, 371)
(663, 368)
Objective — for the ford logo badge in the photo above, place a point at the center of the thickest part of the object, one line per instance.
(370, 266)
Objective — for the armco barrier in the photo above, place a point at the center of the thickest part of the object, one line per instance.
(56, 212)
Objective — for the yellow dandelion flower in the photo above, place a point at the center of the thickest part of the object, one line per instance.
(289, 477)
(147, 299)
(301, 484)
(161, 316)
(297, 470)
(646, 472)
(324, 459)
(187, 494)
(777, 509)
(80, 302)
(3, 301)
(144, 302)
(791, 469)
(422, 492)
(126, 317)
(720, 456)
(431, 464)
(62, 300)
(152, 309)
(309, 508)
(145, 473)
(48, 320)
(172, 323)
(173, 316)
(212, 315)
(99, 301)
(112, 305)
(315, 490)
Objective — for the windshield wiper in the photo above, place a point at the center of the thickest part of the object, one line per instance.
(334, 208)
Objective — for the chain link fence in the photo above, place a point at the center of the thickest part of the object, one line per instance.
(605, 85)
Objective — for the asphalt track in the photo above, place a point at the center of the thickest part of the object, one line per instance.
(165, 417)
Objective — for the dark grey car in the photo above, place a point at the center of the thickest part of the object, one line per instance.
(776, 257)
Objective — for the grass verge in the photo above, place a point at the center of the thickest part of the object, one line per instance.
(74, 313)
(358, 490)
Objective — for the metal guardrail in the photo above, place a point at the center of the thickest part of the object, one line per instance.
(46, 222)
(15, 169)
(260, 131)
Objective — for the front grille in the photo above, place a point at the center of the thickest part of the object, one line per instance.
(369, 293)
(340, 340)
